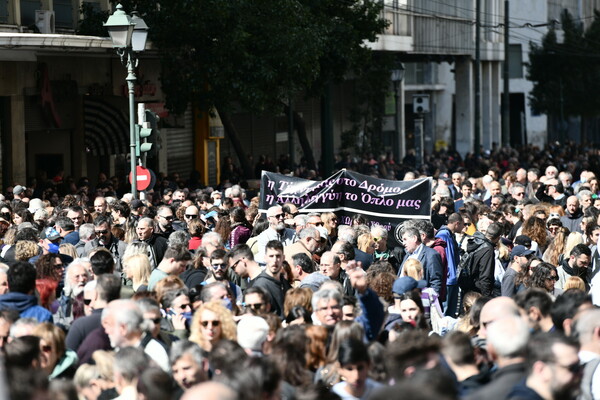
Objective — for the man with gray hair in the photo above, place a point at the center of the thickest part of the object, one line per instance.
(308, 243)
(587, 327)
(275, 231)
(158, 244)
(327, 304)
(211, 241)
(509, 356)
(188, 366)
(87, 233)
(71, 304)
(124, 323)
(128, 366)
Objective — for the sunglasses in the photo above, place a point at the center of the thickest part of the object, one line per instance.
(377, 239)
(156, 321)
(169, 218)
(46, 348)
(192, 216)
(212, 323)
(103, 232)
(221, 266)
(277, 216)
(255, 306)
(87, 302)
(316, 223)
(236, 263)
(554, 278)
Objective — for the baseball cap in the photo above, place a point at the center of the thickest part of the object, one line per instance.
(406, 284)
(523, 240)
(136, 203)
(51, 234)
(520, 251)
(17, 190)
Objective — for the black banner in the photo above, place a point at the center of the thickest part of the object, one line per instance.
(383, 202)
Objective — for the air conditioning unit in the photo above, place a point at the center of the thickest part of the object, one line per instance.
(44, 20)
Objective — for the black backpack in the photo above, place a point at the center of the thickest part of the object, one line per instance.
(464, 270)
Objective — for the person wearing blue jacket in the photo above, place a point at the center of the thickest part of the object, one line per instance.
(447, 233)
(21, 288)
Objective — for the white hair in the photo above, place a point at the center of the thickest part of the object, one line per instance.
(513, 327)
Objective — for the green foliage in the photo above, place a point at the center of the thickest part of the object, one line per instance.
(366, 114)
(91, 24)
(254, 53)
(566, 75)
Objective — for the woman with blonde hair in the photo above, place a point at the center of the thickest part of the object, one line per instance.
(556, 247)
(68, 249)
(366, 243)
(211, 323)
(137, 268)
(26, 249)
(573, 240)
(56, 360)
(575, 283)
(330, 222)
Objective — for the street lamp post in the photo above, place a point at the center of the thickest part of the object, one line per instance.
(398, 143)
(129, 35)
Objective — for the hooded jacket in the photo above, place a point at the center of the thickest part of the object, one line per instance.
(482, 268)
(26, 305)
(440, 246)
(276, 290)
(452, 253)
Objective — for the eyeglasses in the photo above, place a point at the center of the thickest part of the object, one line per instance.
(186, 306)
(156, 321)
(553, 278)
(212, 323)
(168, 218)
(255, 306)
(192, 216)
(221, 266)
(46, 348)
(103, 232)
(574, 368)
(87, 302)
(278, 216)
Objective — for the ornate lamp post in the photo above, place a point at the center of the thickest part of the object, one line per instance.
(129, 35)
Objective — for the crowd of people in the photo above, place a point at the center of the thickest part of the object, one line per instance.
(196, 294)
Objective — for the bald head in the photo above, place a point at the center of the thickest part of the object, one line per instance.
(210, 391)
(494, 310)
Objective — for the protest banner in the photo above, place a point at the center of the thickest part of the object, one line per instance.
(384, 202)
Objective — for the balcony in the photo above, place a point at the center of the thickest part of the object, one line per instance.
(425, 27)
(44, 16)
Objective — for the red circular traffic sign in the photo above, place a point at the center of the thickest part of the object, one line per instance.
(144, 178)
